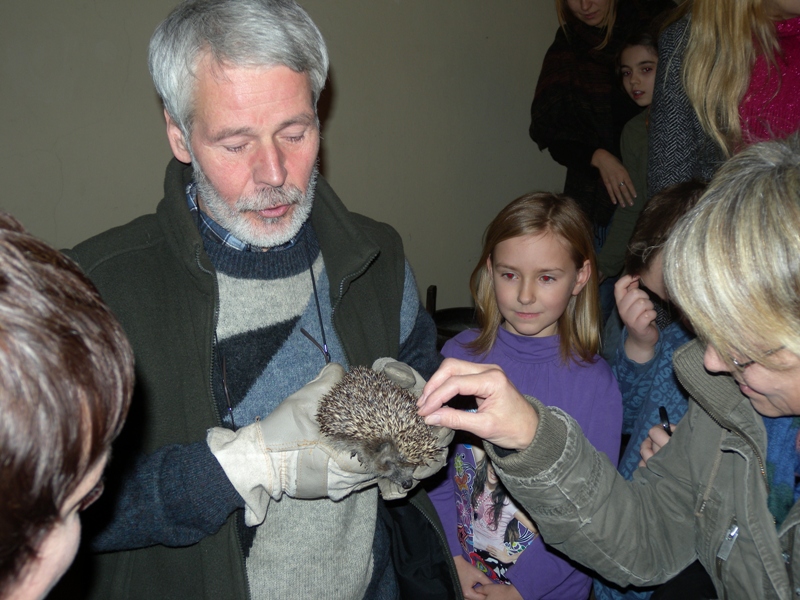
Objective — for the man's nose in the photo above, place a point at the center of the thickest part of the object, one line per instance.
(270, 166)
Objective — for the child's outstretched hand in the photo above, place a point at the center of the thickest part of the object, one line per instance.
(639, 315)
(656, 439)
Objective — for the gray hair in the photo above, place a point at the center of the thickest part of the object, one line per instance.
(251, 33)
(733, 262)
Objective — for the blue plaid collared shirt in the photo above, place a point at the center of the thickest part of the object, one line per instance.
(209, 227)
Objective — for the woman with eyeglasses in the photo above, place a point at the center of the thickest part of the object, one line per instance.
(66, 377)
(724, 490)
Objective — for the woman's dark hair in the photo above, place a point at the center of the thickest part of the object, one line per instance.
(499, 494)
(657, 220)
(66, 377)
(641, 38)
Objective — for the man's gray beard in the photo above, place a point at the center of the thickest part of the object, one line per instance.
(233, 219)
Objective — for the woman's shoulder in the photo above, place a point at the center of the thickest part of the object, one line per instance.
(675, 33)
(564, 47)
(637, 126)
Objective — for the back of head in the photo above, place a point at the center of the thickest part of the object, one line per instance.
(533, 214)
(657, 220)
(724, 40)
(66, 377)
(244, 33)
(733, 262)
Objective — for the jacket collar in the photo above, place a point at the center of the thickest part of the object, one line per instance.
(347, 248)
(718, 395)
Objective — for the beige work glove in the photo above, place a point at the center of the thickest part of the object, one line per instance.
(407, 378)
(285, 453)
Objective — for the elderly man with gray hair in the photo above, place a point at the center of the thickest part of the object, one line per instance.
(250, 278)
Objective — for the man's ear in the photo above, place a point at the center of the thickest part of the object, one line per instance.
(177, 141)
(583, 277)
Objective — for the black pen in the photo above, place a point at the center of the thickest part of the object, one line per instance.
(662, 413)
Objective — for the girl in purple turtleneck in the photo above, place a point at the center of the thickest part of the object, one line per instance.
(535, 292)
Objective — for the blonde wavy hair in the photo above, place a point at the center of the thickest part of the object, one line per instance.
(724, 40)
(733, 263)
(565, 17)
(534, 214)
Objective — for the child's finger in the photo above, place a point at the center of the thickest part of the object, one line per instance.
(623, 285)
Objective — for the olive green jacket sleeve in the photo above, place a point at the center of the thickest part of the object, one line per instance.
(703, 496)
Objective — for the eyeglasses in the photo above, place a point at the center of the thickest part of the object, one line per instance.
(741, 366)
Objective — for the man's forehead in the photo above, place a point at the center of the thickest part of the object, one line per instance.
(236, 88)
(221, 70)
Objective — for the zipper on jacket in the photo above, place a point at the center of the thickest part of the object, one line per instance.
(788, 557)
(746, 440)
(446, 546)
(215, 320)
(725, 548)
(346, 278)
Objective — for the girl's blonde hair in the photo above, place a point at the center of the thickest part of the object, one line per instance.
(565, 18)
(724, 40)
(733, 263)
(534, 214)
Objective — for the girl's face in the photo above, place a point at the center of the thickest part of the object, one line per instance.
(638, 70)
(591, 12)
(534, 278)
(772, 392)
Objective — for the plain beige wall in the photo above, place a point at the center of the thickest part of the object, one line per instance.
(427, 130)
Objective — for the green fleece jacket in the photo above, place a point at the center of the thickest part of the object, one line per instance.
(158, 280)
(703, 496)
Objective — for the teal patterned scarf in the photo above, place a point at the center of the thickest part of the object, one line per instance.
(783, 464)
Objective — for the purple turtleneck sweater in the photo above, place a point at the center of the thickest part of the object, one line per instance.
(588, 392)
(771, 105)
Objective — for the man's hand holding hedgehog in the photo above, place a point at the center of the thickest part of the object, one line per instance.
(285, 453)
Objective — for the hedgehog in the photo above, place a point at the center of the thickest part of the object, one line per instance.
(377, 422)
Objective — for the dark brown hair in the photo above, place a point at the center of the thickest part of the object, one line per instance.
(642, 38)
(533, 214)
(657, 220)
(66, 377)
